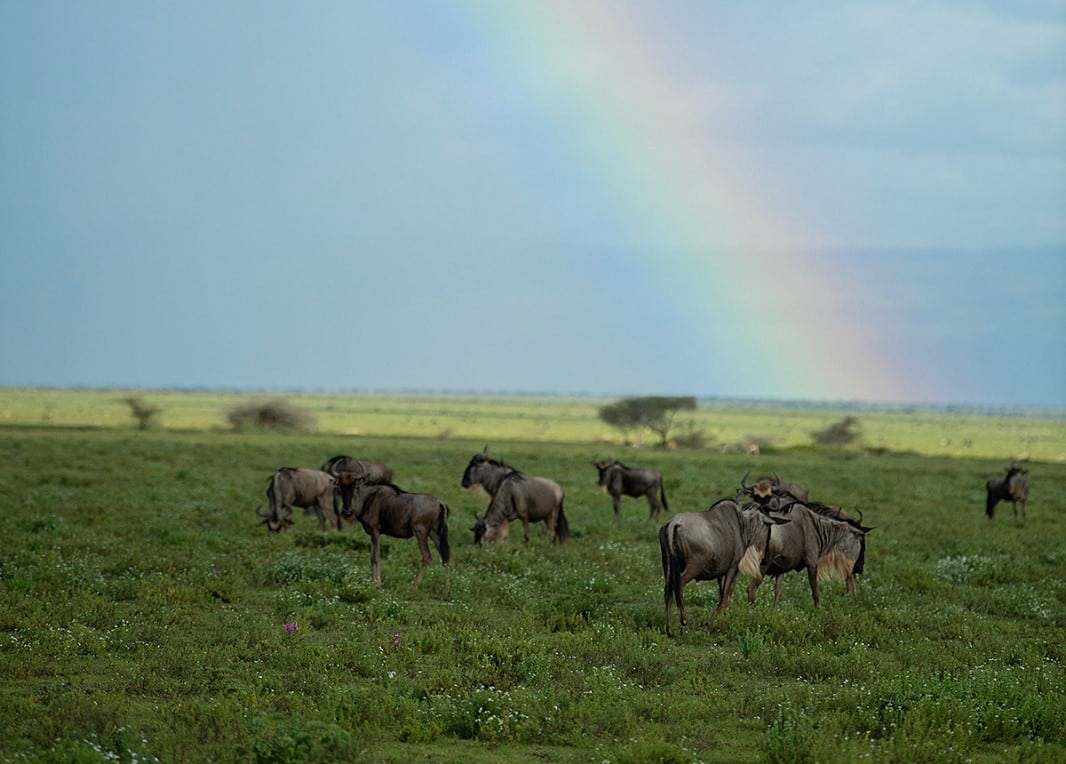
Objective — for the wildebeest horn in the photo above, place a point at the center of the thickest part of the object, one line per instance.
(744, 485)
(777, 479)
(258, 511)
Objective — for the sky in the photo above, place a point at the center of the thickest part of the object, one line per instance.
(837, 201)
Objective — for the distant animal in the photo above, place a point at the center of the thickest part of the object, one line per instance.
(619, 480)
(376, 472)
(309, 489)
(699, 546)
(388, 509)
(515, 495)
(772, 492)
(1012, 487)
(825, 540)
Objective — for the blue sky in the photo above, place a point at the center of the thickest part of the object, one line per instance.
(412, 196)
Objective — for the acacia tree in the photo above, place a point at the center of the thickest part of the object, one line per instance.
(655, 412)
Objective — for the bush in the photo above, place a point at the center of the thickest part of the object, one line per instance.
(271, 415)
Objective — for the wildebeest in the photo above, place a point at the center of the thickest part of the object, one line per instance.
(772, 492)
(1012, 487)
(619, 480)
(299, 487)
(710, 544)
(823, 539)
(375, 472)
(515, 495)
(388, 509)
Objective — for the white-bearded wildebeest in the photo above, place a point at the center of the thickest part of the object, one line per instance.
(1012, 487)
(515, 496)
(299, 487)
(699, 546)
(772, 492)
(620, 480)
(376, 472)
(823, 539)
(390, 510)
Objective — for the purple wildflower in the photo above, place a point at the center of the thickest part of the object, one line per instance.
(396, 640)
(292, 627)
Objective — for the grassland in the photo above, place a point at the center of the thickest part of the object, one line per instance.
(558, 420)
(144, 607)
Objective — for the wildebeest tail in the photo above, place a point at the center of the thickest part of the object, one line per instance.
(442, 534)
(562, 527)
(662, 496)
(991, 499)
(671, 567)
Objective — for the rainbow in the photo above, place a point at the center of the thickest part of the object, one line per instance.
(713, 246)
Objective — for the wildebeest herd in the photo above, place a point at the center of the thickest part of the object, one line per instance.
(768, 528)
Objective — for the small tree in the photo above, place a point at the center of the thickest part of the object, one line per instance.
(840, 433)
(141, 411)
(656, 413)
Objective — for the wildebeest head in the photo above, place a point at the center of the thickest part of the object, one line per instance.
(762, 491)
(348, 483)
(469, 474)
(275, 521)
(604, 469)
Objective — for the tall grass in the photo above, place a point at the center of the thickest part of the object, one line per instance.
(148, 616)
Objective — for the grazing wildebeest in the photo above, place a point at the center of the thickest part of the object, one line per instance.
(376, 472)
(772, 492)
(1012, 487)
(299, 487)
(388, 509)
(515, 495)
(620, 480)
(823, 539)
(710, 544)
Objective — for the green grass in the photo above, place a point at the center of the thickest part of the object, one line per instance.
(144, 609)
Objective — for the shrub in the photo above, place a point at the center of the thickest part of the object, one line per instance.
(271, 415)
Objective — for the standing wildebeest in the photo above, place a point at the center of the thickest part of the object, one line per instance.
(376, 472)
(299, 487)
(515, 495)
(1012, 487)
(620, 480)
(772, 492)
(825, 540)
(710, 544)
(390, 510)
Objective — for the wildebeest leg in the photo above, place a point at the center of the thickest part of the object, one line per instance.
(375, 557)
(752, 587)
(525, 528)
(616, 498)
(729, 580)
(812, 576)
(779, 585)
(325, 508)
(686, 576)
(423, 546)
(653, 504)
(850, 581)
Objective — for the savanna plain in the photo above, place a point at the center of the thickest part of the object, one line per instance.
(148, 615)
